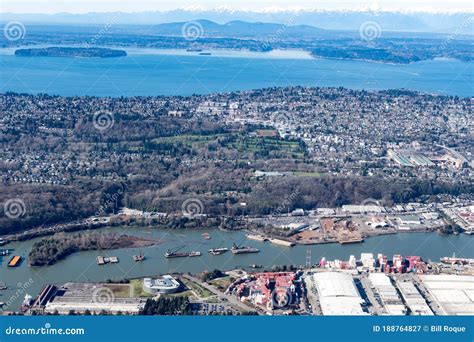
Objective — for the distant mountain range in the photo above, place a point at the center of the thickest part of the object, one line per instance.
(236, 28)
(303, 21)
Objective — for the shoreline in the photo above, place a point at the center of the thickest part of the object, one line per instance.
(298, 54)
(49, 233)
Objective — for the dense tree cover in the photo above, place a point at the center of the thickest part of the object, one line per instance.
(50, 250)
(208, 276)
(63, 168)
(167, 306)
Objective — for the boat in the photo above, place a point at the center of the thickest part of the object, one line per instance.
(454, 260)
(204, 54)
(170, 254)
(255, 266)
(243, 249)
(139, 257)
(27, 301)
(100, 260)
(4, 252)
(113, 260)
(206, 236)
(193, 50)
(349, 240)
(15, 261)
(217, 251)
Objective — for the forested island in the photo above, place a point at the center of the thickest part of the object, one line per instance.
(50, 250)
(71, 52)
(397, 48)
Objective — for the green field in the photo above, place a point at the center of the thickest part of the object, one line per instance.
(261, 146)
(197, 289)
(137, 285)
(189, 140)
(221, 283)
(308, 174)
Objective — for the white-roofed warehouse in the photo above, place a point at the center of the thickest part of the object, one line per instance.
(453, 293)
(338, 294)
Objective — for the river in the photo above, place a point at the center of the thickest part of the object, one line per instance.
(82, 266)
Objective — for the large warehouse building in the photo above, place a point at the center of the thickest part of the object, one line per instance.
(338, 294)
(453, 293)
(384, 288)
(93, 297)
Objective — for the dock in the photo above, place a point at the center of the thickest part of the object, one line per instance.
(281, 242)
(351, 240)
(256, 237)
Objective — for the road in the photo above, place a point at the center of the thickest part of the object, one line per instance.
(222, 296)
(376, 307)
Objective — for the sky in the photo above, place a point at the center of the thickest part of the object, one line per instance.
(84, 6)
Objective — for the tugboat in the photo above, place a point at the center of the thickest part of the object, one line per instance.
(255, 266)
(139, 257)
(27, 302)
